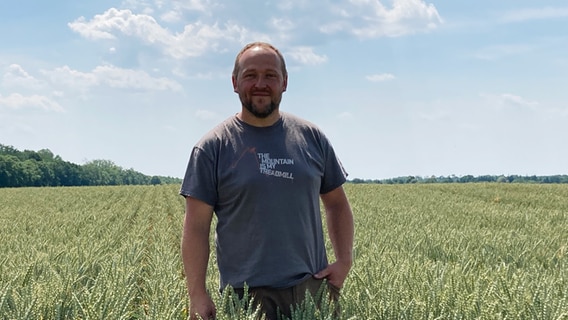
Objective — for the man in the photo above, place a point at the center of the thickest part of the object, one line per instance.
(262, 172)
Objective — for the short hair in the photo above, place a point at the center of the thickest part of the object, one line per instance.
(261, 44)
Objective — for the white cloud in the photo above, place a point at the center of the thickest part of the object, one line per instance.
(178, 8)
(535, 14)
(71, 78)
(205, 34)
(173, 9)
(282, 24)
(125, 78)
(171, 16)
(380, 77)
(103, 25)
(371, 19)
(194, 5)
(18, 101)
(511, 99)
(195, 39)
(111, 76)
(306, 55)
(508, 101)
(142, 3)
(198, 38)
(16, 76)
(505, 100)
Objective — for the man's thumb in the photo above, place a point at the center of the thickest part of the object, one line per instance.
(322, 274)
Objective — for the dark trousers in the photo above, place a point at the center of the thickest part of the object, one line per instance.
(279, 301)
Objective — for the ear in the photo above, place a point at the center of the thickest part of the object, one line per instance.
(285, 83)
(234, 80)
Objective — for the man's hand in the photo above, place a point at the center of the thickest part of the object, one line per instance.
(335, 273)
(201, 308)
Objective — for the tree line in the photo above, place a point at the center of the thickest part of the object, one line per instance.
(44, 169)
(469, 179)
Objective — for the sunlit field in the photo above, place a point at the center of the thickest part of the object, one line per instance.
(427, 251)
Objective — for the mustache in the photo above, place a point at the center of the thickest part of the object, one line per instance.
(267, 90)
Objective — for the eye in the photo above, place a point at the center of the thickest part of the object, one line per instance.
(249, 75)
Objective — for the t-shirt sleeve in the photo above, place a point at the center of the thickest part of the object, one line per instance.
(334, 174)
(200, 179)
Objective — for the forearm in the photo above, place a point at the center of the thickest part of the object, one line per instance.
(195, 257)
(341, 233)
(340, 225)
(195, 245)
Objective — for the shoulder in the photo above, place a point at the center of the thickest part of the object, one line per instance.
(296, 125)
(293, 121)
(220, 132)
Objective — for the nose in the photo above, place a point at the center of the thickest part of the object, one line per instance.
(260, 82)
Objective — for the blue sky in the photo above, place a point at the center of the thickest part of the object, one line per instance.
(401, 87)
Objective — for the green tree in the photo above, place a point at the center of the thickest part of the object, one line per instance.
(9, 170)
(155, 180)
(30, 173)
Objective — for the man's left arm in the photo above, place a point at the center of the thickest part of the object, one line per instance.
(339, 219)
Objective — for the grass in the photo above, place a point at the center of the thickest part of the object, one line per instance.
(433, 251)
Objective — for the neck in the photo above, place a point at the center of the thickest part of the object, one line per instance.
(252, 120)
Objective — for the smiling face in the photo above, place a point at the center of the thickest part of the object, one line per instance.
(259, 80)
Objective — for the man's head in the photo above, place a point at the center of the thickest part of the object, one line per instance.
(260, 77)
(264, 45)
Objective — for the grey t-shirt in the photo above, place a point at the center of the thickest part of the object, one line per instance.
(264, 185)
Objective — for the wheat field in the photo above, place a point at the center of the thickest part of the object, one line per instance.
(424, 251)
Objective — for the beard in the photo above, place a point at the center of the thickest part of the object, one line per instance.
(258, 111)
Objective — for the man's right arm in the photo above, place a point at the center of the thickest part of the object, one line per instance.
(195, 256)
